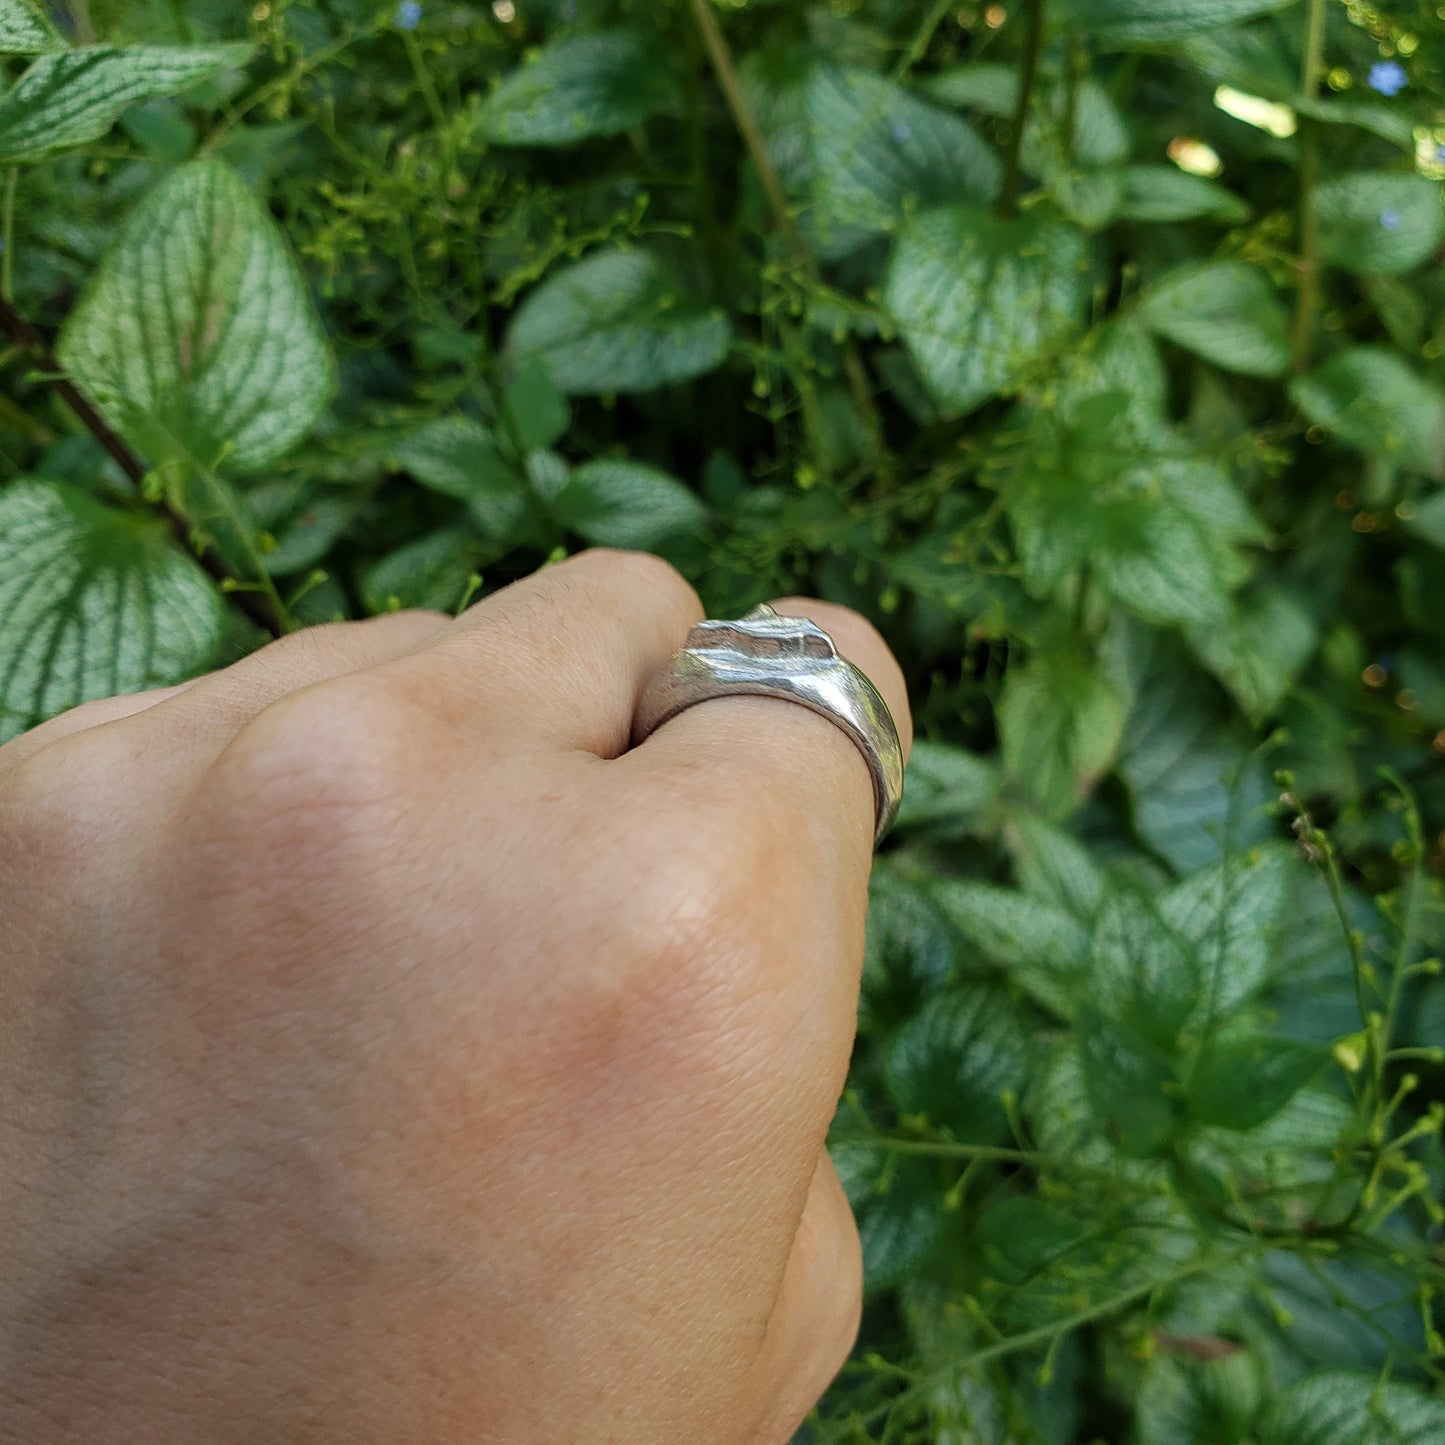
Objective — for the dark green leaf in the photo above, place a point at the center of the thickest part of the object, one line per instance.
(1226, 312)
(74, 96)
(587, 85)
(221, 362)
(1165, 193)
(1261, 649)
(93, 602)
(900, 1209)
(626, 504)
(945, 789)
(1153, 22)
(954, 1060)
(979, 300)
(618, 321)
(861, 151)
(1239, 1080)
(1129, 1085)
(538, 409)
(460, 458)
(1142, 975)
(1379, 222)
(1338, 1407)
(431, 572)
(1373, 401)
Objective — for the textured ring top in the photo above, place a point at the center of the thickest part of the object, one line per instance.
(792, 658)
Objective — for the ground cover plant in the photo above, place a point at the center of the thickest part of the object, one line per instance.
(1091, 347)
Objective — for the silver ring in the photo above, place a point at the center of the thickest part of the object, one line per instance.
(765, 655)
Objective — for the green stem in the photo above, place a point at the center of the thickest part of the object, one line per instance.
(7, 235)
(922, 38)
(1307, 303)
(721, 59)
(1028, 74)
(263, 610)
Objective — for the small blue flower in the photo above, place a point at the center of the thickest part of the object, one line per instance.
(1388, 77)
(900, 132)
(408, 15)
(1390, 220)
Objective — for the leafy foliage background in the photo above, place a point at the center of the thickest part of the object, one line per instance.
(1112, 395)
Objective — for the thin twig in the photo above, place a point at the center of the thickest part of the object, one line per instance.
(720, 56)
(1008, 195)
(1307, 303)
(254, 605)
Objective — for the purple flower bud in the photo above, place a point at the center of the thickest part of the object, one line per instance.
(408, 15)
(1387, 77)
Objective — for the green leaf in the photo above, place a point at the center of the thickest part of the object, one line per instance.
(74, 96)
(1054, 866)
(945, 789)
(618, 321)
(910, 950)
(1128, 1084)
(1165, 193)
(1060, 723)
(1373, 401)
(311, 530)
(459, 458)
(95, 602)
(1211, 1400)
(860, 151)
(197, 337)
(538, 409)
(1197, 792)
(900, 1210)
(1240, 1080)
(1154, 22)
(954, 1060)
(1379, 222)
(431, 572)
(1142, 975)
(1232, 916)
(1427, 521)
(586, 85)
(25, 31)
(626, 504)
(1339, 1407)
(978, 300)
(1226, 312)
(1261, 649)
(1041, 945)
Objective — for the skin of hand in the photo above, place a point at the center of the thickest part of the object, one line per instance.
(388, 1053)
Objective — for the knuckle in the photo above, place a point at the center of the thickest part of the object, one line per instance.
(653, 573)
(327, 758)
(57, 804)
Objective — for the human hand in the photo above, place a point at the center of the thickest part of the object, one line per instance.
(387, 1054)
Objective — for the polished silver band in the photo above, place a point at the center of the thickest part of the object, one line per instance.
(765, 655)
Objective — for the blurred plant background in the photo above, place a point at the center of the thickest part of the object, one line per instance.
(1091, 347)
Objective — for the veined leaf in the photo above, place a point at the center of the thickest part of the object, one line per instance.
(1241, 1079)
(1226, 312)
(197, 337)
(978, 300)
(859, 149)
(1379, 223)
(1374, 401)
(433, 572)
(93, 602)
(956, 1057)
(627, 504)
(1153, 22)
(25, 31)
(618, 321)
(586, 85)
(1260, 650)
(459, 458)
(74, 96)
(1339, 1407)
(946, 788)
(1165, 193)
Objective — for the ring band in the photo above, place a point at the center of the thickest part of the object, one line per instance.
(765, 655)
